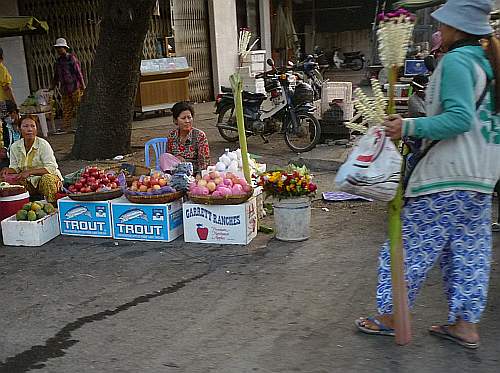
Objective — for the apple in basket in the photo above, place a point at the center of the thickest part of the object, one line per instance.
(218, 185)
(93, 179)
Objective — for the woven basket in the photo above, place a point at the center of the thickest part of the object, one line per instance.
(227, 200)
(96, 196)
(12, 191)
(155, 199)
(139, 170)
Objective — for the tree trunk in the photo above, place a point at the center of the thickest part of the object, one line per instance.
(104, 119)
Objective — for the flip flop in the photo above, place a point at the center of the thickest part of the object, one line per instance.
(382, 329)
(445, 333)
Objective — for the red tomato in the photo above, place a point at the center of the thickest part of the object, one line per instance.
(91, 179)
(83, 180)
(78, 185)
(113, 186)
(111, 177)
(94, 174)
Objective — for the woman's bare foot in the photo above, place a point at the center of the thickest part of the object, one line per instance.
(464, 330)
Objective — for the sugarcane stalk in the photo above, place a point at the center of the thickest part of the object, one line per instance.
(401, 311)
(237, 86)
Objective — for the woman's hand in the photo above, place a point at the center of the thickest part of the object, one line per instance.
(24, 175)
(394, 126)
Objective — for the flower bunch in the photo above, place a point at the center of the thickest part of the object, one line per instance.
(394, 34)
(291, 182)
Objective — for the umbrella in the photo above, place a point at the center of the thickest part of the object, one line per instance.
(18, 26)
(418, 4)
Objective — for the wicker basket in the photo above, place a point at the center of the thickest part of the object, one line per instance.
(227, 200)
(139, 170)
(96, 196)
(12, 191)
(155, 199)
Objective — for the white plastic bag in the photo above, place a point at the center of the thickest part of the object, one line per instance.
(373, 168)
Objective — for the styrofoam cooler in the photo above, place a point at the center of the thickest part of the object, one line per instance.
(30, 233)
(335, 91)
(12, 204)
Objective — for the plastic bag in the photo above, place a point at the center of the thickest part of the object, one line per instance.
(373, 169)
(168, 162)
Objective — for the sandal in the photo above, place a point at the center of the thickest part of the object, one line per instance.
(382, 329)
(444, 332)
(495, 227)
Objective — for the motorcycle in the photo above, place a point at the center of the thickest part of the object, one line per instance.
(312, 75)
(351, 60)
(292, 117)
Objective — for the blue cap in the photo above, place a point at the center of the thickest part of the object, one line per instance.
(470, 16)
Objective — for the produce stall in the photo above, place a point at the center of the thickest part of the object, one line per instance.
(162, 83)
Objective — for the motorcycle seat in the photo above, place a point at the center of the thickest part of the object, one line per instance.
(253, 96)
(226, 89)
(352, 54)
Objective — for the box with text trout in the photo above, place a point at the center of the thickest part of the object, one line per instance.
(90, 219)
(155, 222)
(220, 224)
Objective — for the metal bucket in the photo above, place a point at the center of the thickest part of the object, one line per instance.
(292, 218)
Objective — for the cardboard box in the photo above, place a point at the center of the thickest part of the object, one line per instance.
(220, 224)
(159, 222)
(30, 233)
(90, 219)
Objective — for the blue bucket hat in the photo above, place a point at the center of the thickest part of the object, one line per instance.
(470, 16)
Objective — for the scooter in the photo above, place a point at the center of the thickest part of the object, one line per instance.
(312, 75)
(299, 126)
(352, 60)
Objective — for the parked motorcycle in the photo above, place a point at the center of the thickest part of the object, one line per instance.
(312, 75)
(351, 60)
(289, 114)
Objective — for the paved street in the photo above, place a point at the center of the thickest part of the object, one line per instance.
(101, 305)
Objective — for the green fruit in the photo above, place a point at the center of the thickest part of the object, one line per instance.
(40, 214)
(31, 215)
(22, 215)
(27, 206)
(48, 208)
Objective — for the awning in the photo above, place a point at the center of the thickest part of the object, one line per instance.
(418, 4)
(18, 26)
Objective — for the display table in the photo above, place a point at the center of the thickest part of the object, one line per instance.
(162, 83)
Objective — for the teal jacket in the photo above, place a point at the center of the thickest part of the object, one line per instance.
(466, 157)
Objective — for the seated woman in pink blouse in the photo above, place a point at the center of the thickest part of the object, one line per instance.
(187, 143)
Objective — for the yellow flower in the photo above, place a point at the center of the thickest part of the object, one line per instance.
(288, 188)
(280, 184)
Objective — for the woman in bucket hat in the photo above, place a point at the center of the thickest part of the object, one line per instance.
(447, 214)
(68, 75)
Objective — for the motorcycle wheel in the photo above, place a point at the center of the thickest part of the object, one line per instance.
(357, 63)
(306, 136)
(228, 117)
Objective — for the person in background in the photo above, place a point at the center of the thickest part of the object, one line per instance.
(447, 214)
(10, 133)
(187, 143)
(68, 76)
(6, 94)
(32, 162)
(416, 103)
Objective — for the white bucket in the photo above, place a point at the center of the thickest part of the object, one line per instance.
(292, 217)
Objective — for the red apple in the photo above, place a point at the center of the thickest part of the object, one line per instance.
(113, 185)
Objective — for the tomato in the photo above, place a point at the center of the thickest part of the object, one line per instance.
(113, 185)
(92, 169)
(111, 177)
(77, 185)
(72, 189)
(95, 174)
(83, 180)
(104, 180)
(91, 179)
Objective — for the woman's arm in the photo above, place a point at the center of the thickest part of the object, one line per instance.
(48, 161)
(78, 71)
(203, 152)
(457, 99)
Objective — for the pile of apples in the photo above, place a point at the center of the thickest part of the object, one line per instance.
(154, 184)
(216, 184)
(94, 180)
